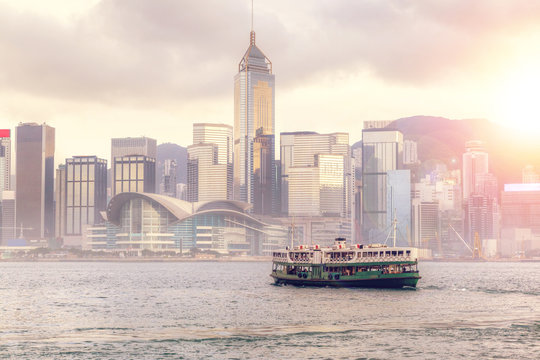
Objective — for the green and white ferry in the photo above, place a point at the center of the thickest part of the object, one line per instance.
(342, 265)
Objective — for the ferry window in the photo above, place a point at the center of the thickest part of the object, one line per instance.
(400, 253)
(388, 253)
(408, 252)
(394, 253)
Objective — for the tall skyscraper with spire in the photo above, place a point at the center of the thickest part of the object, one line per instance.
(254, 95)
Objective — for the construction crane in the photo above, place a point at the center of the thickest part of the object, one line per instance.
(476, 250)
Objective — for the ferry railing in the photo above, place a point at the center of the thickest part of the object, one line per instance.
(368, 259)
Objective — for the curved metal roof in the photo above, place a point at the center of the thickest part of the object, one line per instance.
(243, 215)
(180, 209)
(235, 205)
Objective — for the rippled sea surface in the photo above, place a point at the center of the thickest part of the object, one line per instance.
(108, 310)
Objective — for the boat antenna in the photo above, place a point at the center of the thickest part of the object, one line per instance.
(395, 227)
(292, 233)
(394, 220)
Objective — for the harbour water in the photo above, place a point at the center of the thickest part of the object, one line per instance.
(115, 310)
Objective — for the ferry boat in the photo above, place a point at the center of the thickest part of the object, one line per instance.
(342, 265)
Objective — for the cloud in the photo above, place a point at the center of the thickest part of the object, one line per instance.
(122, 51)
(147, 51)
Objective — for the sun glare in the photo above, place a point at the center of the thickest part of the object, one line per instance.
(519, 101)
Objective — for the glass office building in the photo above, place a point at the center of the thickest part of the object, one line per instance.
(254, 94)
(86, 192)
(475, 164)
(331, 181)
(381, 153)
(398, 203)
(263, 175)
(122, 147)
(35, 180)
(5, 160)
(134, 173)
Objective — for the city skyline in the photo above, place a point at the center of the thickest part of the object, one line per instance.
(322, 55)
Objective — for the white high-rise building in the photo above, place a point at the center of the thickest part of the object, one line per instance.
(410, 152)
(219, 134)
(304, 191)
(475, 162)
(330, 153)
(207, 179)
(445, 192)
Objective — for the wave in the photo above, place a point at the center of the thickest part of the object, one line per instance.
(481, 289)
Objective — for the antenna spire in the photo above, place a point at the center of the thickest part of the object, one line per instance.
(252, 33)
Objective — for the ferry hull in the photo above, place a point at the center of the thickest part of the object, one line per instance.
(389, 283)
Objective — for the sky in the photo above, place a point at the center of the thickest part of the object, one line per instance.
(98, 69)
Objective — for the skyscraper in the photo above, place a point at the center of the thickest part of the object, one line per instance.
(35, 179)
(134, 173)
(121, 147)
(398, 203)
(254, 95)
(5, 174)
(169, 178)
(133, 146)
(317, 177)
(5, 160)
(60, 202)
(306, 149)
(480, 193)
(222, 136)
(381, 152)
(8, 229)
(332, 181)
(475, 162)
(86, 191)
(263, 174)
(207, 180)
(219, 134)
